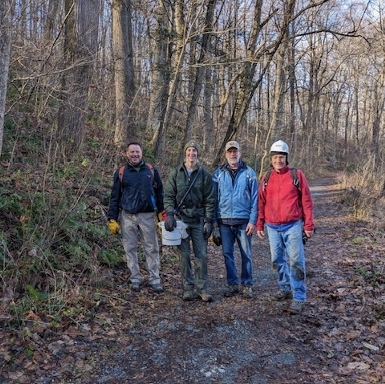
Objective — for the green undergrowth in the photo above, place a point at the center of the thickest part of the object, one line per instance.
(54, 241)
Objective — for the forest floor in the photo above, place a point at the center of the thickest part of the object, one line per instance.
(126, 337)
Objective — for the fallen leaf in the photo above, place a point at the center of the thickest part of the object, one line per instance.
(370, 346)
(358, 365)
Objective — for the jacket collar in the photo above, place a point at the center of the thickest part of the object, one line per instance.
(182, 167)
(242, 164)
(137, 165)
(282, 171)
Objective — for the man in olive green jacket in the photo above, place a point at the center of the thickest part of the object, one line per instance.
(196, 210)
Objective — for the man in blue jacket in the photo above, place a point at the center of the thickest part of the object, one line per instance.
(236, 191)
(135, 197)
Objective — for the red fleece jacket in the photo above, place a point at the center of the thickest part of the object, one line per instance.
(281, 202)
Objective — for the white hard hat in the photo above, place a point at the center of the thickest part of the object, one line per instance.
(280, 146)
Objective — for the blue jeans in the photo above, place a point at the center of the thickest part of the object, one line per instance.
(199, 246)
(230, 233)
(288, 258)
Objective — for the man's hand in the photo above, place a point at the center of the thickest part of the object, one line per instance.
(170, 222)
(261, 234)
(207, 229)
(250, 229)
(217, 236)
(306, 235)
(113, 226)
(309, 234)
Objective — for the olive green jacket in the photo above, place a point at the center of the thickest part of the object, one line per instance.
(199, 204)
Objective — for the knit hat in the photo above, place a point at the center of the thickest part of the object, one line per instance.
(192, 143)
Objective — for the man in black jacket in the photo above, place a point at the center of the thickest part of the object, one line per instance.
(135, 196)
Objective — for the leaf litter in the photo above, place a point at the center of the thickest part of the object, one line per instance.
(121, 337)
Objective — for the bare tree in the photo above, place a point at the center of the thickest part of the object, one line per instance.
(80, 46)
(176, 62)
(123, 71)
(161, 73)
(200, 69)
(6, 11)
(246, 78)
(233, 67)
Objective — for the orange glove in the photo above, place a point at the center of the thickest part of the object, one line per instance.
(113, 226)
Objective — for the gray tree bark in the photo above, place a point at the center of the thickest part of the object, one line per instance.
(80, 46)
(161, 73)
(6, 11)
(125, 127)
(200, 71)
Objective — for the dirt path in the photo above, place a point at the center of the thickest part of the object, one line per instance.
(255, 341)
(147, 338)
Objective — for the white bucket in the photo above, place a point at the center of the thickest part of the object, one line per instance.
(174, 237)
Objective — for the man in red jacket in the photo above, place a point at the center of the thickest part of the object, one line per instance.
(286, 210)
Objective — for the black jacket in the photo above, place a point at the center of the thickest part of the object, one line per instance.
(139, 191)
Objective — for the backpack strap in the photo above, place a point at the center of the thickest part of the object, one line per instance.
(294, 176)
(266, 179)
(190, 185)
(121, 171)
(151, 169)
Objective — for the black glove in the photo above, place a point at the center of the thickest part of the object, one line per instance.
(170, 222)
(207, 229)
(217, 236)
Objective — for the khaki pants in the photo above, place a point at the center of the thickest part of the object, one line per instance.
(135, 227)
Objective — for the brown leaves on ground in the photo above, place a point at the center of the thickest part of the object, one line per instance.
(112, 335)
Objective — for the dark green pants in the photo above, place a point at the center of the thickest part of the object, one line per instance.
(198, 279)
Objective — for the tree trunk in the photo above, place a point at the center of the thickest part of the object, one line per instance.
(80, 45)
(200, 71)
(279, 89)
(207, 110)
(161, 73)
(248, 85)
(6, 10)
(125, 128)
(176, 65)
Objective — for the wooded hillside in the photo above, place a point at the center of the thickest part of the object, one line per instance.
(311, 73)
(79, 79)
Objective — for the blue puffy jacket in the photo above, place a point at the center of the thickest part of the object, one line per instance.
(236, 198)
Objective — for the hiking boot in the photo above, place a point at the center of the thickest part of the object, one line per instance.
(282, 295)
(247, 292)
(296, 307)
(157, 288)
(231, 290)
(204, 296)
(188, 295)
(135, 286)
